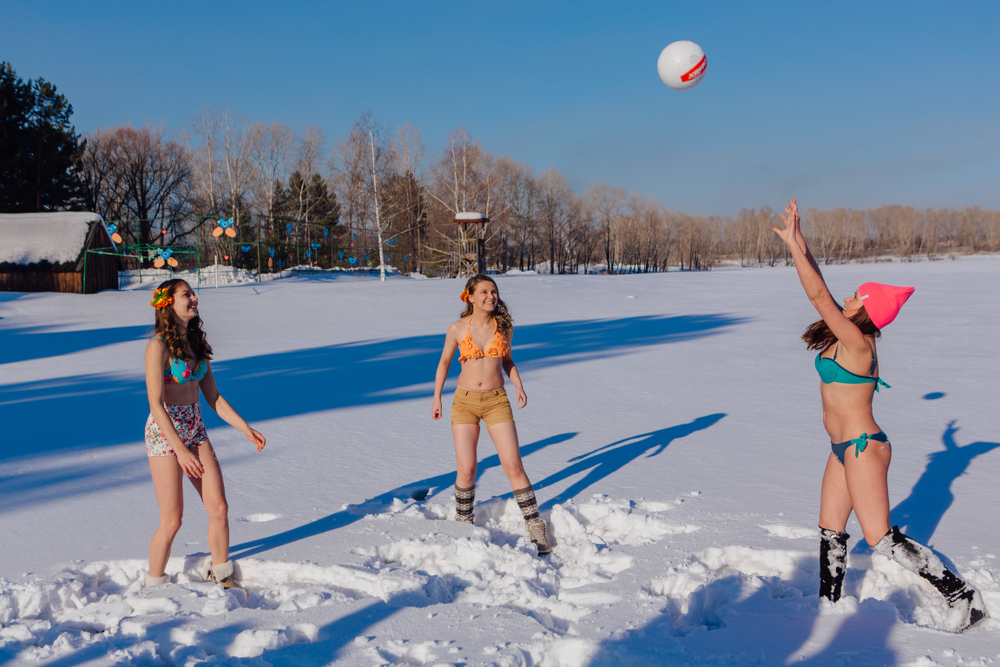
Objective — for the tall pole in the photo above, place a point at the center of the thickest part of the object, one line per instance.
(378, 217)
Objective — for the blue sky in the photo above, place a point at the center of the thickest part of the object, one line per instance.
(841, 104)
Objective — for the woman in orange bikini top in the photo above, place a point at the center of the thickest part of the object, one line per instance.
(482, 336)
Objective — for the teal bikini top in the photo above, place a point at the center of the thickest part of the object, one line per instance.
(830, 371)
(181, 373)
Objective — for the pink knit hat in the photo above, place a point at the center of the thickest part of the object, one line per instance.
(883, 301)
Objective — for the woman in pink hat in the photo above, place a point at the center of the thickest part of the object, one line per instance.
(856, 471)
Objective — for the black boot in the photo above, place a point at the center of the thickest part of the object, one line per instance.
(917, 558)
(832, 563)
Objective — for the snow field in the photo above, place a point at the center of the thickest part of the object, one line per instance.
(101, 607)
(673, 435)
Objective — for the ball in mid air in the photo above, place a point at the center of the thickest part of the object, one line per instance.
(682, 65)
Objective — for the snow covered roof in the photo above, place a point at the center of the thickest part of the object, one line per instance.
(26, 238)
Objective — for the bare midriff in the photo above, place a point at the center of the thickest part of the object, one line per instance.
(181, 394)
(481, 374)
(847, 410)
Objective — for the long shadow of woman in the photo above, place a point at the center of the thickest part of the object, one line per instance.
(921, 512)
(608, 459)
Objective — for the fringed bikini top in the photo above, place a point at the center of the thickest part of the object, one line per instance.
(498, 347)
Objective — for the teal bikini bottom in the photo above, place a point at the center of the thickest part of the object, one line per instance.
(839, 449)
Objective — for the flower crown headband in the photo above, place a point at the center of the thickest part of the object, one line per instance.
(161, 298)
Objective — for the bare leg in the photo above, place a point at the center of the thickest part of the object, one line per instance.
(466, 441)
(504, 436)
(212, 490)
(835, 500)
(867, 482)
(168, 484)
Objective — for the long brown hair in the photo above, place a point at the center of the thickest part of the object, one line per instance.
(169, 329)
(819, 337)
(505, 323)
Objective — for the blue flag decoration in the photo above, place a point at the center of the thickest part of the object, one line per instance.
(271, 250)
(341, 254)
(309, 254)
(289, 228)
(353, 260)
(326, 232)
(315, 246)
(246, 248)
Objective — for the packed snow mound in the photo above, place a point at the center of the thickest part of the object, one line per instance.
(101, 608)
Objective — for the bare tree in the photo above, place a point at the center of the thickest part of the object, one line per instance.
(137, 174)
(271, 147)
(553, 213)
(606, 201)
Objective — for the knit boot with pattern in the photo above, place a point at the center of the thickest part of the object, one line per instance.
(464, 501)
(917, 558)
(525, 499)
(832, 563)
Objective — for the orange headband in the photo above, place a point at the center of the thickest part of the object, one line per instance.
(465, 295)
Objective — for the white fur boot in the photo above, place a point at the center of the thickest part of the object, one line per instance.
(147, 580)
(222, 574)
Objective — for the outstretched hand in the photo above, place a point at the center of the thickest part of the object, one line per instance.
(792, 222)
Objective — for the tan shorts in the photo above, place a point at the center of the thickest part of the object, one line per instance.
(491, 406)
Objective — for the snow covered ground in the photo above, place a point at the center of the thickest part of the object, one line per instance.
(673, 433)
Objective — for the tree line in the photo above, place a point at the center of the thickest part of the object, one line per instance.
(377, 196)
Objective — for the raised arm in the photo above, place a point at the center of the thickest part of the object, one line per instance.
(156, 357)
(450, 345)
(222, 407)
(511, 370)
(812, 281)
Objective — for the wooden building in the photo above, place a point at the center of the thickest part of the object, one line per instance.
(47, 252)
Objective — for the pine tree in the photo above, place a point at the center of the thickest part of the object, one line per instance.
(40, 151)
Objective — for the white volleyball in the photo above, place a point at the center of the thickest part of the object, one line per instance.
(682, 65)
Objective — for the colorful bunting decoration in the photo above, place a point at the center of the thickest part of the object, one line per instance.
(165, 258)
(115, 236)
(225, 226)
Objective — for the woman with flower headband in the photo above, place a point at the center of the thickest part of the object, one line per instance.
(856, 476)
(482, 336)
(177, 367)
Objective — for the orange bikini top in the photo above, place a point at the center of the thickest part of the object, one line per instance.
(498, 348)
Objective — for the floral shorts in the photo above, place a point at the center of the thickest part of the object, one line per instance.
(187, 422)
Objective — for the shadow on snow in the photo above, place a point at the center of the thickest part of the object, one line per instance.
(919, 514)
(89, 411)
